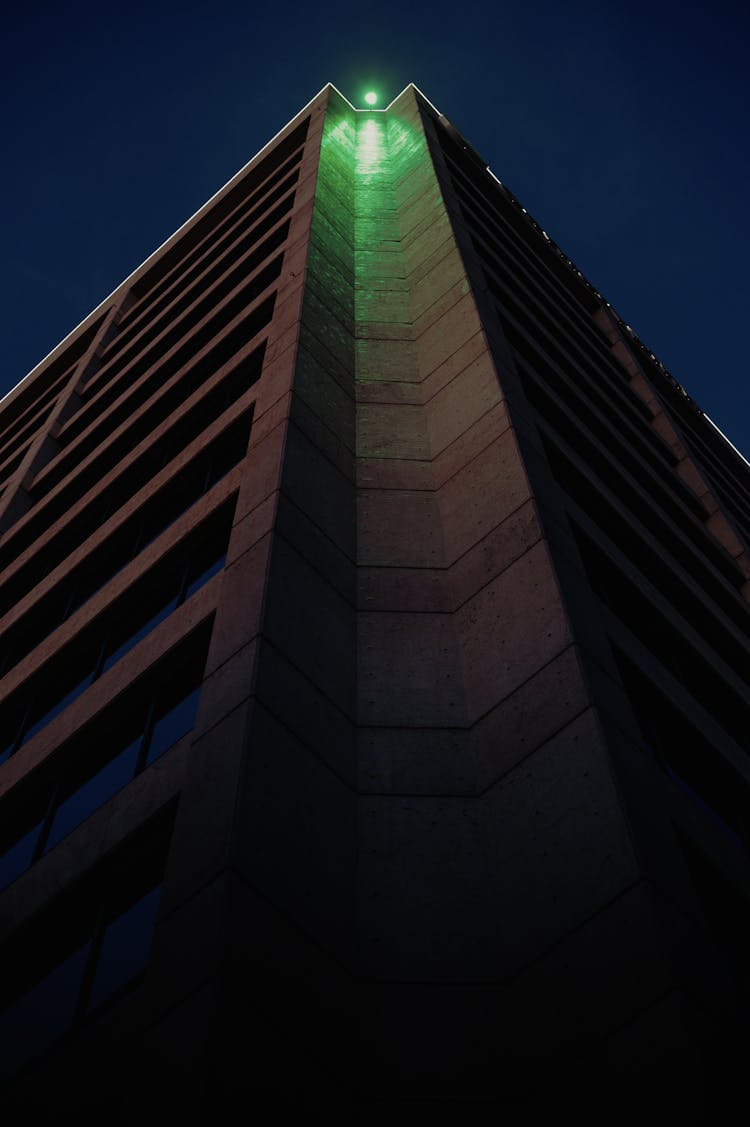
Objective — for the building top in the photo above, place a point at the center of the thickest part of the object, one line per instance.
(655, 367)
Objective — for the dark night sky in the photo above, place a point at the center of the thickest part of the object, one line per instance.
(621, 128)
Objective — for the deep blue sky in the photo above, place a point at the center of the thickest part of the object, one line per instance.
(623, 129)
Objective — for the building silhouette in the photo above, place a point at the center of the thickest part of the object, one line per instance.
(375, 657)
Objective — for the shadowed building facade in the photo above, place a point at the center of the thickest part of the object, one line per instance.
(375, 655)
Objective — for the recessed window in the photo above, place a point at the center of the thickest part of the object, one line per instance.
(726, 908)
(123, 948)
(138, 470)
(77, 802)
(144, 606)
(159, 512)
(18, 856)
(639, 615)
(106, 755)
(169, 717)
(171, 723)
(686, 756)
(90, 945)
(44, 1013)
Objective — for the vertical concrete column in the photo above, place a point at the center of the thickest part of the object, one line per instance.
(483, 766)
(408, 664)
(239, 880)
(296, 842)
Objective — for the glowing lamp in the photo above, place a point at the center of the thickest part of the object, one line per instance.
(371, 97)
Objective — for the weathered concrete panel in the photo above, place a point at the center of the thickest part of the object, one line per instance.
(391, 430)
(385, 514)
(481, 494)
(409, 671)
(510, 629)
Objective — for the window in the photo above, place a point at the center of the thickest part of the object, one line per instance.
(175, 578)
(124, 943)
(41, 1015)
(183, 430)
(174, 259)
(165, 507)
(30, 399)
(260, 219)
(17, 857)
(666, 642)
(99, 769)
(582, 487)
(685, 755)
(727, 911)
(82, 795)
(154, 338)
(177, 377)
(91, 946)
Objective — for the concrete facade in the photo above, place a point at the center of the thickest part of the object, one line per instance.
(456, 827)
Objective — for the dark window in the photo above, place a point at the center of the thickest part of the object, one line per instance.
(685, 755)
(117, 401)
(139, 470)
(154, 517)
(124, 947)
(173, 260)
(579, 328)
(18, 856)
(81, 797)
(726, 909)
(621, 484)
(86, 949)
(12, 465)
(171, 723)
(583, 488)
(615, 407)
(711, 447)
(639, 615)
(103, 758)
(146, 604)
(145, 310)
(40, 391)
(128, 632)
(44, 1013)
(502, 204)
(28, 425)
(194, 297)
(35, 722)
(161, 395)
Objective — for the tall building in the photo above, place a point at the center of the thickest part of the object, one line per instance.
(375, 659)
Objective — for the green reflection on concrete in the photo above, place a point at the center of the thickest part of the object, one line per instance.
(371, 149)
(373, 166)
(328, 307)
(380, 297)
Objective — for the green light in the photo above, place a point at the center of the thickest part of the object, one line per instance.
(371, 97)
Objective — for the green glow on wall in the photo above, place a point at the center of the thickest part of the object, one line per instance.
(369, 161)
(371, 149)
